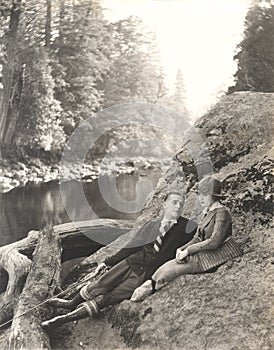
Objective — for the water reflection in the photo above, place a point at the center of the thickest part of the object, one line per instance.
(34, 206)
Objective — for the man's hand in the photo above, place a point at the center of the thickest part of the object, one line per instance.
(100, 267)
(181, 255)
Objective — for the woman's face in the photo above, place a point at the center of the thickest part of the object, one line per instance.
(205, 199)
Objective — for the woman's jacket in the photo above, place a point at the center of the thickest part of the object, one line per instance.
(212, 244)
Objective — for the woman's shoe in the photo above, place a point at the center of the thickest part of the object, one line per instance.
(142, 292)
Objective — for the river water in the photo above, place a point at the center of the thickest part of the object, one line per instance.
(35, 205)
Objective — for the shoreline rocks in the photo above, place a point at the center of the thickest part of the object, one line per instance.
(14, 174)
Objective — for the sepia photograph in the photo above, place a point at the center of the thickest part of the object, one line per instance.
(136, 174)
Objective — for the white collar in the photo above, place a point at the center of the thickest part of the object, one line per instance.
(164, 220)
(212, 207)
(215, 205)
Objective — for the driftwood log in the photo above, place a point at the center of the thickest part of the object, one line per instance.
(17, 267)
(26, 330)
(15, 258)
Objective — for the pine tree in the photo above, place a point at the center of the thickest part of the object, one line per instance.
(12, 73)
(255, 55)
(135, 73)
(82, 49)
(179, 94)
(39, 111)
(30, 113)
(177, 100)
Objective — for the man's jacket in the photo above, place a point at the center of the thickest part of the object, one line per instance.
(141, 255)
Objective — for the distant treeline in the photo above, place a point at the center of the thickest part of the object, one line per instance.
(62, 61)
(255, 53)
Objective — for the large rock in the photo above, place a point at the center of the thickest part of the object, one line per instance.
(238, 141)
(239, 124)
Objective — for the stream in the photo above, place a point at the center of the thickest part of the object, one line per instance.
(33, 206)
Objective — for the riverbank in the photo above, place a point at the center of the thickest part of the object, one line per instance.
(16, 173)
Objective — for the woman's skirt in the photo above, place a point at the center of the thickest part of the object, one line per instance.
(209, 259)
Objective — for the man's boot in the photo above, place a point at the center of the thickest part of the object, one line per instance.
(87, 309)
(66, 304)
(87, 292)
(77, 314)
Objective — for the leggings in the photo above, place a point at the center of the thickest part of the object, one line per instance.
(171, 269)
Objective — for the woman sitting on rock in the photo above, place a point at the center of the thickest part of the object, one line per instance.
(211, 246)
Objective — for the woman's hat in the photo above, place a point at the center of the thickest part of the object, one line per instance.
(210, 185)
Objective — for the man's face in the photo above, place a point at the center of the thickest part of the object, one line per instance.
(173, 206)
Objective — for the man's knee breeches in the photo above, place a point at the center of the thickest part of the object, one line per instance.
(89, 291)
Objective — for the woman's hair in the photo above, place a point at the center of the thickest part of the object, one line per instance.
(215, 198)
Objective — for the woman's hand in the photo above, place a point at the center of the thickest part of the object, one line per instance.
(181, 255)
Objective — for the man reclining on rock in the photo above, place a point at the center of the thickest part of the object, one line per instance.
(154, 244)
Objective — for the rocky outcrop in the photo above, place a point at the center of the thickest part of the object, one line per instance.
(238, 141)
(239, 124)
(231, 308)
(14, 173)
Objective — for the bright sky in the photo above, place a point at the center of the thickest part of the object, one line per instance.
(197, 36)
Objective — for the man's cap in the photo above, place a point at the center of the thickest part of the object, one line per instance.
(176, 191)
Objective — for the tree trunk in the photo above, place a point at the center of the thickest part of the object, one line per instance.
(12, 84)
(48, 24)
(61, 22)
(26, 329)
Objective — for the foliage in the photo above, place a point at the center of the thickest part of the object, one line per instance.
(82, 57)
(179, 97)
(177, 100)
(255, 55)
(134, 73)
(40, 111)
(67, 63)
